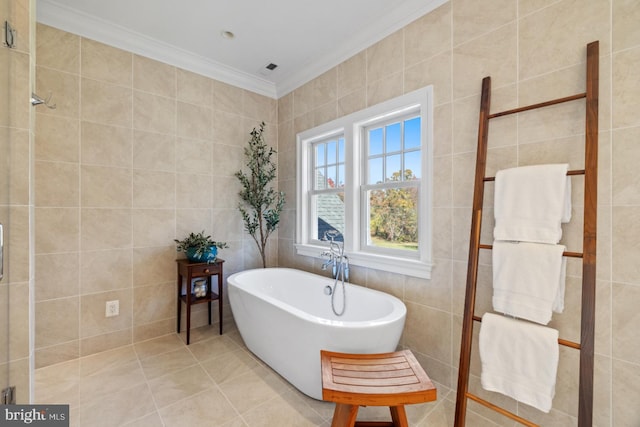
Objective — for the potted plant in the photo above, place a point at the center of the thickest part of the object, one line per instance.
(260, 204)
(200, 248)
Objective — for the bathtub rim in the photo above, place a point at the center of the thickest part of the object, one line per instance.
(398, 311)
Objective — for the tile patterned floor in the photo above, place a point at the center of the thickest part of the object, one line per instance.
(215, 381)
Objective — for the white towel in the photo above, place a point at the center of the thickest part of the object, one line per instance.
(531, 202)
(519, 359)
(528, 279)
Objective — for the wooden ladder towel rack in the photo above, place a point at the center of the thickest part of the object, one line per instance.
(588, 254)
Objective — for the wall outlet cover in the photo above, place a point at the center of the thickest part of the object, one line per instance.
(112, 308)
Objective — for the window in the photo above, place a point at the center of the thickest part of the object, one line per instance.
(365, 178)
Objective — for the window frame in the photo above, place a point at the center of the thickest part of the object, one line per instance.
(351, 127)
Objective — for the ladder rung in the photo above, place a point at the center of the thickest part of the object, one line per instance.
(504, 412)
(561, 341)
(539, 105)
(569, 173)
(565, 253)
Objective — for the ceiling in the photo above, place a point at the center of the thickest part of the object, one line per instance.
(304, 38)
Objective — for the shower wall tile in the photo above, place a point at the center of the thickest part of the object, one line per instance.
(227, 98)
(154, 77)
(626, 153)
(153, 189)
(625, 392)
(285, 108)
(351, 76)
(92, 311)
(385, 58)
(626, 92)
(153, 265)
(106, 145)
(260, 108)
(625, 248)
(66, 88)
(153, 303)
(352, 102)
(62, 318)
(193, 121)
(384, 89)
(106, 103)
(49, 192)
(57, 230)
(105, 187)
(104, 228)
(57, 138)
(108, 64)
(193, 191)
(54, 279)
(58, 49)
(194, 156)
(153, 227)
(104, 342)
(435, 71)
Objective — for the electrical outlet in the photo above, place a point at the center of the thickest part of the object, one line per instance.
(112, 308)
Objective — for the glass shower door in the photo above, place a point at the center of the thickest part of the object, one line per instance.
(16, 138)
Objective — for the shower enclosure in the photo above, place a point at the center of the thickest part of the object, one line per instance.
(16, 207)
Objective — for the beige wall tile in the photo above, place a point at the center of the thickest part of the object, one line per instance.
(105, 270)
(385, 58)
(154, 265)
(153, 227)
(192, 220)
(472, 19)
(153, 151)
(105, 229)
(227, 98)
(57, 230)
(153, 189)
(228, 128)
(108, 64)
(427, 36)
(94, 321)
(16, 147)
(64, 89)
(384, 89)
(56, 276)
(106, 145)
(56, 355)
(545, 44)
(105, 187)
(285, 108)
(435, 71)
(193, 191)
(106, 103)
(626, 224)
(625, 177)
(57, 49)
(154, 76)
(626, 90)
(194, 88)
(351, 75)
(57, 138)
(625, 377)
(193, 121)
(626, 344)
(57, 184)
(227, 159)
(259, 107)
(426, 340)
(225, 191)
(62, 317)
(354, 101)
(104, 342)
(493, 54)
(154, 303)
(194, 156)
(626, 34)
(153, 113)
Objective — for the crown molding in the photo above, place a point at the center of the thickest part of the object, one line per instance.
(76, 22)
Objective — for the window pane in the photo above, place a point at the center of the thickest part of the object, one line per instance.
(332, 176)
(375, 141)
(393, 138)
(341, 150)
(320, 157)
(393, 168)
(329, 214)
(375, 171)
(341, 176)
(331, 152)
(412, 165)
(321, 179)
(393, 218)
(412, 133)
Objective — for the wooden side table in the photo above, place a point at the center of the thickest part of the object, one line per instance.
(189, 270)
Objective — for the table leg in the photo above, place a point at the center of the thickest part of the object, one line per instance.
(399, 416)
(179, 301)
(220, 299)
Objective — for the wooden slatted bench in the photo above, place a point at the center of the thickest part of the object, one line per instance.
(387, 379)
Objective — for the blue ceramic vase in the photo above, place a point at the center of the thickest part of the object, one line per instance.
(207, 256)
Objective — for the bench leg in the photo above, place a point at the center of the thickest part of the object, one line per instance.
(344, 415)
(399, 416)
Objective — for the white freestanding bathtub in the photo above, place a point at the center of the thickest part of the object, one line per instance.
(285, 319)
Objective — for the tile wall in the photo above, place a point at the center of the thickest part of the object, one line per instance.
(534, 51)
(136, 153)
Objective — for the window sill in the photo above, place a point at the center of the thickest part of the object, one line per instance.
(409, 267)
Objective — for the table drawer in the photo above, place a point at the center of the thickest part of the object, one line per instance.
(204, 270)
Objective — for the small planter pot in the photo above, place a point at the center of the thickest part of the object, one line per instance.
(207, 256)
